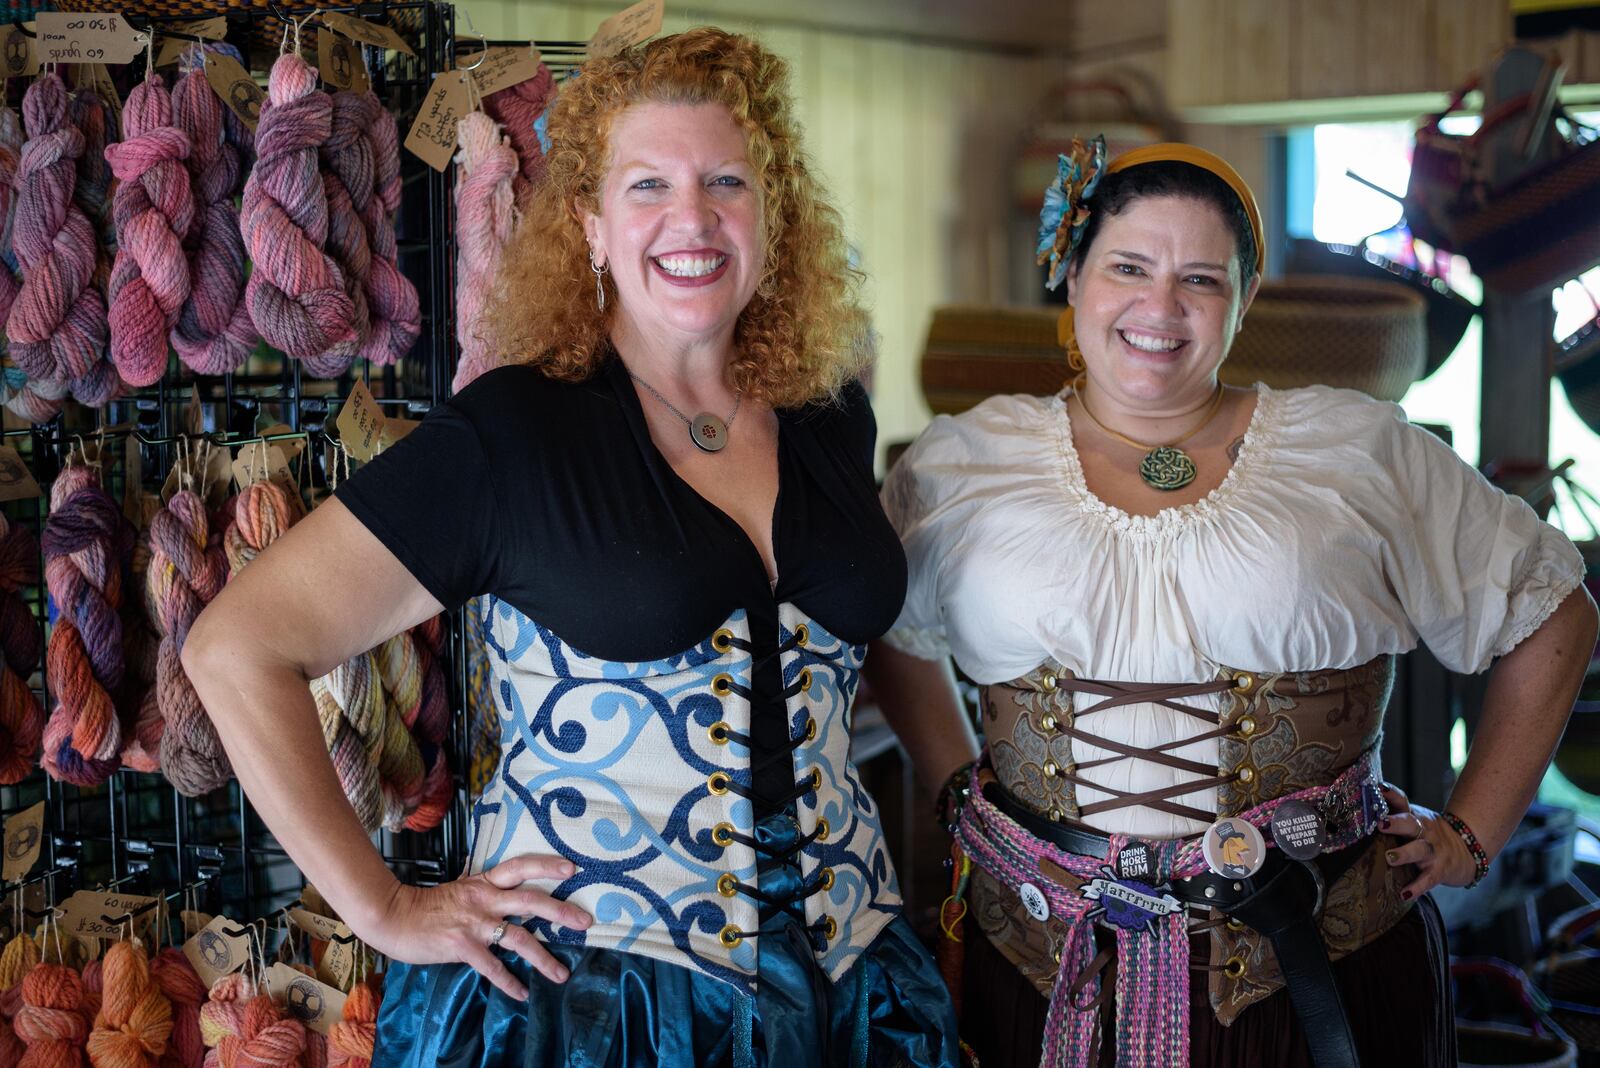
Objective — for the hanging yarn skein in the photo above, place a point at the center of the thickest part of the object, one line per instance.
(346, 162)
(518, 108)
(36, 402)
(351, 708)
(393, 306)
(431, 727)
(485, 217)
(92, 193)
(57, 324)
(20, 957)
(153, 208)
(400, 767)
(21, 717)
(51, 1022)
(266, 1038)
(296, 293)
(85, 541)
(214, 333)
(223, 1011)
(186, 571)
(135, 1018)
(181, 986)
(352, 1039)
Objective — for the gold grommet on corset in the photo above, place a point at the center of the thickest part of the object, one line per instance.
(816, 779)
(829, 928)
(827, 879)
(722, 684)
(823, 830)
(718, 733)
(1055, 953)
(722, 640)
(1051, 769)
(722, 835)
(1048, 723)
(729, 936)
(1246, 726)
(802, 634)
(1234, 968)
(1244, 682)
(805, 680)
(1049, 683)
(718, 782)
(1235, 925)
(1055, 813)
(811, 729)
(1247, 774)
(727, 885)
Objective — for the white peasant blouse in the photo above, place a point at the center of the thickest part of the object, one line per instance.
(1341, 533)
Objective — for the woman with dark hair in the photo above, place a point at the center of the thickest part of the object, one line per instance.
(668, 499)
(1182, 603)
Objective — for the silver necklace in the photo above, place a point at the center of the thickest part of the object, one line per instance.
(709, 433)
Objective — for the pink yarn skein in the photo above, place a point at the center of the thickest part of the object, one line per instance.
(517, 108)
(92, 193)
(35, 401)
(214, 333)
(485, 216)
(346, 159)
(393, 307)
(153, 208)
(57, 325)
(296, 293)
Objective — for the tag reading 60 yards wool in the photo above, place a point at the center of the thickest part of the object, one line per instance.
(87, 37)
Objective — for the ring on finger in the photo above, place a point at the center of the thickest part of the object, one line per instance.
(499, 933)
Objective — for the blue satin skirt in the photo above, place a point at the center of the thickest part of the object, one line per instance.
(621, 1010)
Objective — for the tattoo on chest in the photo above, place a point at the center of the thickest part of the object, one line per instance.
(1233, 449)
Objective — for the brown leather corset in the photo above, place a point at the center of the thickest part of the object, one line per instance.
(1276, 733)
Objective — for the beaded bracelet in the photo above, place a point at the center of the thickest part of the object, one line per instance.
(1480, 858)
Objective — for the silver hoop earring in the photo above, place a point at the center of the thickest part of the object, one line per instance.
(599, 286)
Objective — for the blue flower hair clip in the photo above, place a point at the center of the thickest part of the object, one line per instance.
(1064, 215)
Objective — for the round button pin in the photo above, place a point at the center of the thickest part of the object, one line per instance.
(1298, 830)
(1034, 901)
(1133, 862)
(1234, 848)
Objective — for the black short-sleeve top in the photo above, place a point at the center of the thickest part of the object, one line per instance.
(552, 497)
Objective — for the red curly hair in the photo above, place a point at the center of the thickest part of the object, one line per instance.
(799, 338)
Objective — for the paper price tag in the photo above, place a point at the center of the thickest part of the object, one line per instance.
(234, 86)
(98, 915)
(24, 836)
(376, 34)
(360, 423)
(315, 1004)
(638, 23)
(502, 68)
(214, 952)
(86, 37)
(318, 926)
(338, 964)
(340, 64)
(16, 481)
(21, 57)
(259, 461)
(312, 897)
(432, 136)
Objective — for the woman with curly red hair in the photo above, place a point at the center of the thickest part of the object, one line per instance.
(667, 497)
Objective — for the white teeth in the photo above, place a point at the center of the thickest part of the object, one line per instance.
(690, 266)
(1148, 343)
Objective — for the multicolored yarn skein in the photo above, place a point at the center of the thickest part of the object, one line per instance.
(296, 293)
(21, 717)
(19, 958)
(51, 1022)
(431, 726)
(518, 108)
(267, 1038)
(135, 1019)
(261, 514)
(182, 987)
(214, 333)
(35, 402)
(485, 216)
(85, 542)
(400, 767)
(346, 160)
(57, 324)
(153, 208)
(92, 193)
(223, 1012)
(393, 307)
(352, 709)
(187, 569)
(352, 1039)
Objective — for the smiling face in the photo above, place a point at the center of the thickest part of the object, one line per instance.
(1156, 301)
(679, 224)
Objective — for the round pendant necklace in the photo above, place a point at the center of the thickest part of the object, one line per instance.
(1164, 467)
(709, 433)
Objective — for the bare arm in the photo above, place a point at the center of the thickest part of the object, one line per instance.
(1530, 695)
(920, 701)
(325, 592)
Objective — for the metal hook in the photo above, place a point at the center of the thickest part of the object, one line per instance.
(482, 56)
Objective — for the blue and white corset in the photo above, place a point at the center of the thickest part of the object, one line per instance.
(640, 775)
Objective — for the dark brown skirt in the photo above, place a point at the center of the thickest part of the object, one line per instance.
(1396, 991)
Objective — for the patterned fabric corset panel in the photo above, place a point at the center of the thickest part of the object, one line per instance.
(640, 774)
(1280, 732)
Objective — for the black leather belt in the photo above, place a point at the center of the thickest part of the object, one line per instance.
(1281, 901)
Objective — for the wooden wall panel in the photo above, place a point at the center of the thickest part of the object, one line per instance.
(1398, 45)
(1199, 50)
(1329, 59)
(1466, 33)
(1261, 49)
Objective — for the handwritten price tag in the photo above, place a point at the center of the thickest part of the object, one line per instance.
(638, 23)
(360, 423)
(87, 37)
(433, 134)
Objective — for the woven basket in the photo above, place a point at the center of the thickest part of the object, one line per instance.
(1541, 231)
(973, 353)
(1334, 331)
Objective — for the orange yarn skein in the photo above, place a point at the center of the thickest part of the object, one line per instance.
(352, 1039)
(182, 986)
(267, 1039)
(135, 1018)
(51, 1022)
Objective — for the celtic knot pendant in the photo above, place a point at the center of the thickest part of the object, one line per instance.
(1167, 468)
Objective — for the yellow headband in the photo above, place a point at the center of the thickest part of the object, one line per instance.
(1206, 161)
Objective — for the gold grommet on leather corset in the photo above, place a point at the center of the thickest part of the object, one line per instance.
(718, 782)
(1245, 681)
(811, 729)
(816, 778)
(718, 732)
(729, 936)
(1246, 726)
(1055, 953)
(722, 640)
(802, 634)
(827, 879)
(1235, 925)
(823, 830)
(1247, 774)
(722, 835)
(727, 885)
(1047, 723)
(1049, 683)
(1234, 968)
(1055, 814)
(722, 684)
(1051, 769)
(829, 928)
(805, 680)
